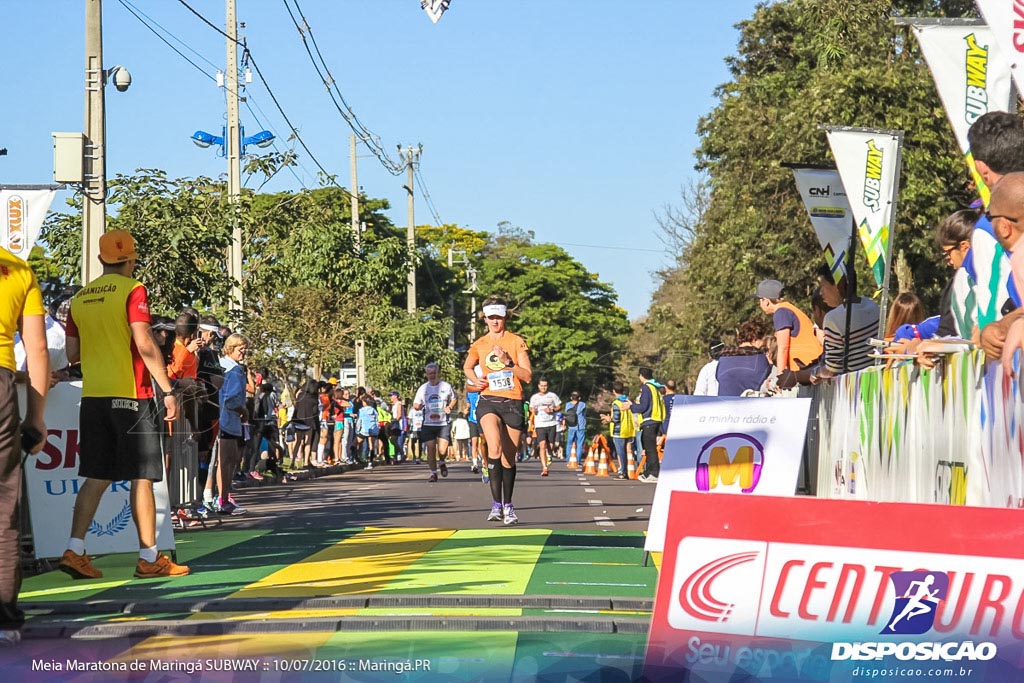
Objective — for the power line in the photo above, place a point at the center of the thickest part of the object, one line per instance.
(134, 11)
(426, 196)
(347, 114)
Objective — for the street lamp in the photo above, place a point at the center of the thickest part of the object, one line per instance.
(203, 139)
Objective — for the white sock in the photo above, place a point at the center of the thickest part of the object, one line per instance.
(77, 545)
(148, 554)
(208, 496)
(320, 452)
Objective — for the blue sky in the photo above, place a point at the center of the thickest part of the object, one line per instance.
(572, 118)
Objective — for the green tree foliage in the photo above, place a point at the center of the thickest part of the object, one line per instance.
(399, 345)
(801, 64)
(569, 318)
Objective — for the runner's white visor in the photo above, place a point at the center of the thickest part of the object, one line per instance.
(495, 309)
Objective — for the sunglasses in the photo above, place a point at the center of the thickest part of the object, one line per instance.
(992, 216)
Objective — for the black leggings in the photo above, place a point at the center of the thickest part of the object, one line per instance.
(503, 480)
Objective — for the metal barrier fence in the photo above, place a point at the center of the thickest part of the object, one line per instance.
(953, 435)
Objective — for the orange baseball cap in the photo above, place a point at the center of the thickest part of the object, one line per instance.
(117, 246)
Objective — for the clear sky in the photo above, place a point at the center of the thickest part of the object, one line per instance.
(571, 118)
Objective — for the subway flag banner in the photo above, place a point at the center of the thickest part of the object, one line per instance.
(867, 160)
(22, 213)
(1006, 18)
(728, 445)
(829, 212)
(971, 76)
(801, 589)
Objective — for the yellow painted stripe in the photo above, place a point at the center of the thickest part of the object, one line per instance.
(364, 563)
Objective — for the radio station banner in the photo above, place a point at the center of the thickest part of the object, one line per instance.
(829, 212)
(803, 589)
(727, 445)
(866, 160)
(22, 213)
(1006, 18)
(52, 483)
(971, 76)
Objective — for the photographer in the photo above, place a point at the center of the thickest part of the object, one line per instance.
(21, 309)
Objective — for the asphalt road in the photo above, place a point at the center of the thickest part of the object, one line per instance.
(400, 496)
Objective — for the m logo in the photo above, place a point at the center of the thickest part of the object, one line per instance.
(918, 595)
(730, 459)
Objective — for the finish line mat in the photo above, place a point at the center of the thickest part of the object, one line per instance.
(280, 600)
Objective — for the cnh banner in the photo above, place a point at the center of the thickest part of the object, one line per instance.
(21, 216)
(1006, 17)
(970, 74)
(829, 212)
(868, 162)
(799, 589)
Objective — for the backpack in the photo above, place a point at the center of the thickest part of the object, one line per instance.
(572, 418)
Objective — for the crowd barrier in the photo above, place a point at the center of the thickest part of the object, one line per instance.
(953, 435)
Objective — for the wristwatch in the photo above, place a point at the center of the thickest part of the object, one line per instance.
(510, 364)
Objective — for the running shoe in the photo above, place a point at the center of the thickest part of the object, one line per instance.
(485, 476)
(256, 476)
(444, 470)
(9, 637)
(78, 566)
(496, 513)
(162, 567)
(232, 508)
(510, 515)
(474, 469)
(432, 478)
(544, 472)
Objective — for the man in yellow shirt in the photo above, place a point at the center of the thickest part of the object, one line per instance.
(21, 309)
(119, 438)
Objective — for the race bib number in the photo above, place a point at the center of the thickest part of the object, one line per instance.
(500, 381)
(435, 406)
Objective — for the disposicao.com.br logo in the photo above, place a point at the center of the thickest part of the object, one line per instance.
(918, 596)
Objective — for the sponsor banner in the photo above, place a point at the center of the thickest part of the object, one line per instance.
(867, 161)
(1006, 18)
(21, 216)
(722, 445)
(829, 212)
(971, 76)
(809, 589)
(52, 483)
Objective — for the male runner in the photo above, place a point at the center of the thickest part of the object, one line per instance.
(437, 399)
(543, 406)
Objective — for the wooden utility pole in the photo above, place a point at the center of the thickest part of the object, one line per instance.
(412, 157)
(232, 146)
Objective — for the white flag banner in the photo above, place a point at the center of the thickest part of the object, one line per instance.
(22, 213)
(1006, 19)
(867, 161)
(971, 76)
(435, 8)
(829, 212)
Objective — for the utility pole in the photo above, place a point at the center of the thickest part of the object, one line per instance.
(232, 142)
(94, 187)
(356, 236)
(412, 157)
(463, 259)
(360, 363)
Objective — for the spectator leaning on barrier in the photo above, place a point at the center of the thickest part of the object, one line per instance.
(864, 316)
(798, 346)
(743, 367)
(119, 439)
(1003, 338)
(953, 234)
(21, 308)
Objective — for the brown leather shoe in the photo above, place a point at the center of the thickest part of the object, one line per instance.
(78, 566)
(162, 567)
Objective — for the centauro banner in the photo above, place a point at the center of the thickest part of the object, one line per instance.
(1006, 19)
(971, 76)
(829, 211)
(867, 163)
(21, 216)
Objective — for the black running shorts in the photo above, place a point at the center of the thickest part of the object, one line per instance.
(546, 434)
(119, 439)
(508, 410)
(474, 430)
(434, 432)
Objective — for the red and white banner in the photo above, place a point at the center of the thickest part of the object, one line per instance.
(809, 589)
(22, 213)
(1006, 18)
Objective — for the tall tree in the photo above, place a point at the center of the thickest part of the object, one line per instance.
(800, 64)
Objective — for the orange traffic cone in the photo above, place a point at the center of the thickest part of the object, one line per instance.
(574, 463)
(602, 468)
(613, 464)
(630, 466)
(590, 466)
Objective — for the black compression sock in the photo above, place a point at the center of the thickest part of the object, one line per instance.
(496, 477)
(508, 482)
